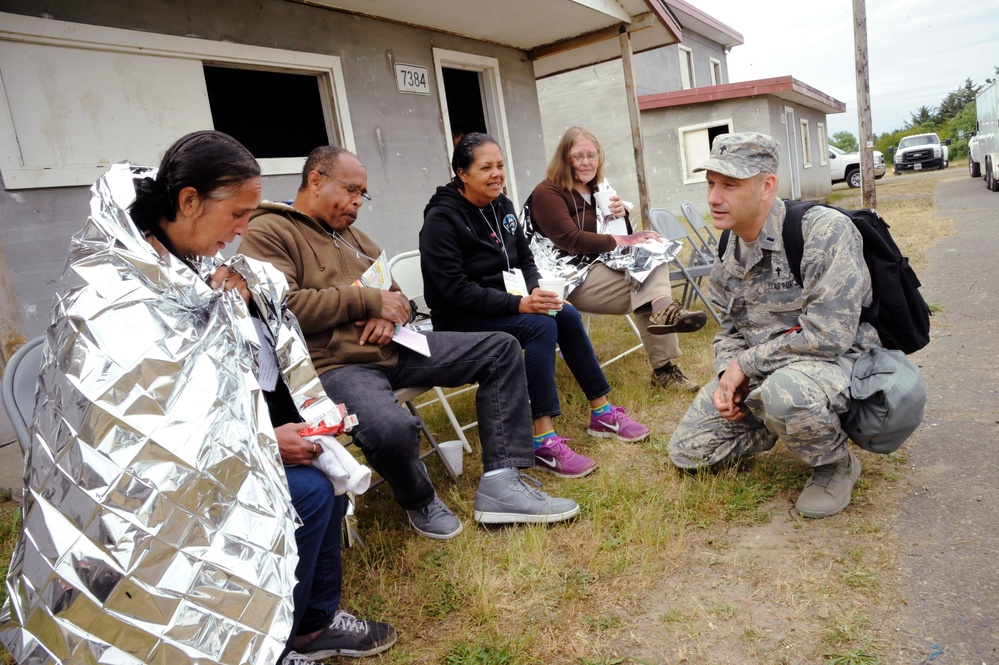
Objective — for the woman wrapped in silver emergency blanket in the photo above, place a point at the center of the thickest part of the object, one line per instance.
(158, 526)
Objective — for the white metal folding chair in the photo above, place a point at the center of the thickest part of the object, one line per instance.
(700, 266)
(20, 378)
(587, 316)
(405, 270)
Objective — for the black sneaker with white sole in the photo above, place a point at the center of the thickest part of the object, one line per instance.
(347, 636)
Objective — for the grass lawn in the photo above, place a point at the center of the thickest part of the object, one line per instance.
(660, 566)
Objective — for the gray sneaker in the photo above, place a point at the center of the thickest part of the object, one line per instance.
(435, 520)
(506, 498)
(828, 490)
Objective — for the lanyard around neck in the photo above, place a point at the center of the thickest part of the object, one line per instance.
(339, 238)
(496, 233)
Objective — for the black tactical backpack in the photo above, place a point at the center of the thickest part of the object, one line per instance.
(897, 311)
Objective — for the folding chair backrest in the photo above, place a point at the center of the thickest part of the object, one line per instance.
(669, 227)
(405, 270)
(703, 232)
(20, 379)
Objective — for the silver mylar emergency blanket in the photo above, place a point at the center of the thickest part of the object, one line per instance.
(635, 261)
(158, 527)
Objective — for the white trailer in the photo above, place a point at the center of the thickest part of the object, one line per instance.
(988, 134)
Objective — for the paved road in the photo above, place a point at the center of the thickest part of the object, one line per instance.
(949, 526)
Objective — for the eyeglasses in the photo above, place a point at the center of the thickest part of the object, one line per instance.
(352, 189)
(580, 157)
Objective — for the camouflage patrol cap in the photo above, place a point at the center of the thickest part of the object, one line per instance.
(743, 155)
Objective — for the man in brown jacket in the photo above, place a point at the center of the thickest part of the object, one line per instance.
(349, 331)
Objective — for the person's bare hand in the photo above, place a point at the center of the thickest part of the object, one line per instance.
(395, 307)
(294, 449)
(540, 302)
(617, 207)
(376, 331)
(733, 386)
(227, 279)
(638, 238)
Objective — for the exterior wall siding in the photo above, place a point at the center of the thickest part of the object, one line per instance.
(400, 137)
(659, 70)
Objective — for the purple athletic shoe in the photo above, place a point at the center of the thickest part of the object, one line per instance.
(617, 423)
(558, 459)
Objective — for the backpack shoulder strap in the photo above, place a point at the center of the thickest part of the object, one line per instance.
(791, 234)
(723, 243)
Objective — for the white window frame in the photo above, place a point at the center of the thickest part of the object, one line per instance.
(15, 28)
(492, 104)
(686, 57)
(806, 144)
(820, 127)
(692, 178)
(714, 65)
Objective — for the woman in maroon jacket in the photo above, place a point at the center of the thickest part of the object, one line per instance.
(563, 209)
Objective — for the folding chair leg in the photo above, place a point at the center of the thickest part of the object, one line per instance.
(458, 429)
(433, 441)
(637, 347)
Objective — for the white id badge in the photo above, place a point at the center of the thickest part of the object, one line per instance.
(266, 358)
(514, 282)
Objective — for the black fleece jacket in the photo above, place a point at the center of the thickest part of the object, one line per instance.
(463, 259)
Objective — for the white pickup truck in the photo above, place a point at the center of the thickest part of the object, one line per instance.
(846, 166)
(921, 152)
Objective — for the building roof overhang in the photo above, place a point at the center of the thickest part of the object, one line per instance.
(782, 87)
(557, 35)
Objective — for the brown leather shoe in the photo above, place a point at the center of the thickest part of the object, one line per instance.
(670, 376)
(675, 319)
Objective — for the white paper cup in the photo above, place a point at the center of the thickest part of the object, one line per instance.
(602, 198)
(556, 284)
(454, 454)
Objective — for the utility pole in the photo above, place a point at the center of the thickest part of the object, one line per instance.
(864, 105)
(631, 92)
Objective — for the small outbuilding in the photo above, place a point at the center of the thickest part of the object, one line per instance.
(679, 126)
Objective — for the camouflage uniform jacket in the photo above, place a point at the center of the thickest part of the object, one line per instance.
(770, 321)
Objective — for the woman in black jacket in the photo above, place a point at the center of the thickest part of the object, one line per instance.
(479, 274)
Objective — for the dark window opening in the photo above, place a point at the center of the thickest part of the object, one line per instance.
(716, 131)
(273, 114)
(463, 91)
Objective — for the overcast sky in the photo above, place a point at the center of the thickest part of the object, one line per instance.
(919, 50)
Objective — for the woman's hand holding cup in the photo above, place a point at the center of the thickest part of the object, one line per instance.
(552, 286)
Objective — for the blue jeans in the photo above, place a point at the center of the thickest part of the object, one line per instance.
(538, 334)
(389, 436)
(317, 594)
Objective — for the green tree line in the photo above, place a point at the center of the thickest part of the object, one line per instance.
(955, 112)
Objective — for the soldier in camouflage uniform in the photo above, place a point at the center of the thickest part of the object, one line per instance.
(785, 352)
